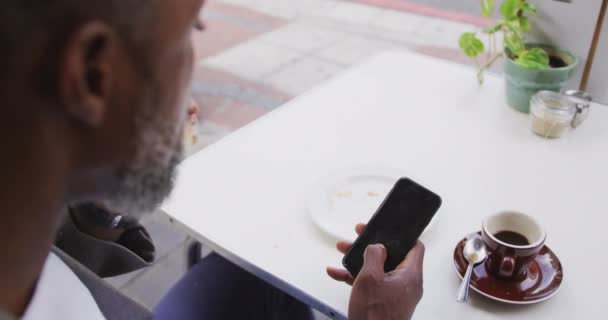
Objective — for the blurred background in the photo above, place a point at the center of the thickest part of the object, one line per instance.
(256, 55)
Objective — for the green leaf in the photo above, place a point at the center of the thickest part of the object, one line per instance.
(535, 58)
(487, 7)
(509, 9)
(470, 44)
(514, 43)
(493, 29)
(513, 26)
(519, 25)
(528, 7)
(524, 24)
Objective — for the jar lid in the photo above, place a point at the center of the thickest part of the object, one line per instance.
(553, 102)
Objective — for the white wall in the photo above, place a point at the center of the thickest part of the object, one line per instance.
(570, 26)
(598, 82)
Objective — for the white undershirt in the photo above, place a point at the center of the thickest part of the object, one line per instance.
(61, 295)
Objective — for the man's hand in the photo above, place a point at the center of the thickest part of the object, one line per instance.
(379, 295)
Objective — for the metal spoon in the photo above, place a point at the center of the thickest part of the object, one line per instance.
(474, 253)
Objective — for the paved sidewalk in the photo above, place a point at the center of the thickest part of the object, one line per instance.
(258, 54)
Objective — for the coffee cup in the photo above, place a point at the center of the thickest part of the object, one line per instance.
(512, 241)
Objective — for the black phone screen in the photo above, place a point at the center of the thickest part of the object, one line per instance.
(397, 224)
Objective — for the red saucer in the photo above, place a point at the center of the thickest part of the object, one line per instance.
(544, 278)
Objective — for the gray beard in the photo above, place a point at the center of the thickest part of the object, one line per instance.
(145, 182)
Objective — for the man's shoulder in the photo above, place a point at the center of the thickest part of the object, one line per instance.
(60, 294)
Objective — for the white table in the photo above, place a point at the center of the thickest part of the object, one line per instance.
(244, 195)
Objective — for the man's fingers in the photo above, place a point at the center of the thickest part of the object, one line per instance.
(359, 228)
(340, 275)
(343, 246)
(373, 259)
(414, 258)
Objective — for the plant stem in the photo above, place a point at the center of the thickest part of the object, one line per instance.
(482, 69)
(489, 54)
(479, 71)
(494, 43)
(489, 64)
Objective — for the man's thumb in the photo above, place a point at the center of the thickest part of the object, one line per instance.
(374, 258)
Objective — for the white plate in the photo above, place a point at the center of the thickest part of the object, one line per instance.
(340, 201)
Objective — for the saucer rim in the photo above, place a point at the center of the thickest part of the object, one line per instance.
(487, 295)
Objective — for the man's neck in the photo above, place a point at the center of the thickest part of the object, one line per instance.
(31, 196)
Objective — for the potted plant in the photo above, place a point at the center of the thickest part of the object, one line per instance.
(528, 67)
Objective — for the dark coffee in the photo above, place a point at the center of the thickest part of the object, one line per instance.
(512, 237)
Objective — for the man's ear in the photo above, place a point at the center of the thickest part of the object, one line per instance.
(86, 75)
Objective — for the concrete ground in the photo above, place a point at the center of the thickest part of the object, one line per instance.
(258, 54)
(471, 7)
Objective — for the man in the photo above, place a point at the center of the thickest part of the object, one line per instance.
(93, 97)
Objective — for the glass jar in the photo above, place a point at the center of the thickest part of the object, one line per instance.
(551, 114)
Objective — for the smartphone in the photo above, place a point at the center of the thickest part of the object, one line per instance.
(397, 224)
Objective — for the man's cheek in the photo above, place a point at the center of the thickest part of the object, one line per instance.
(184, 89)
(181, 103)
